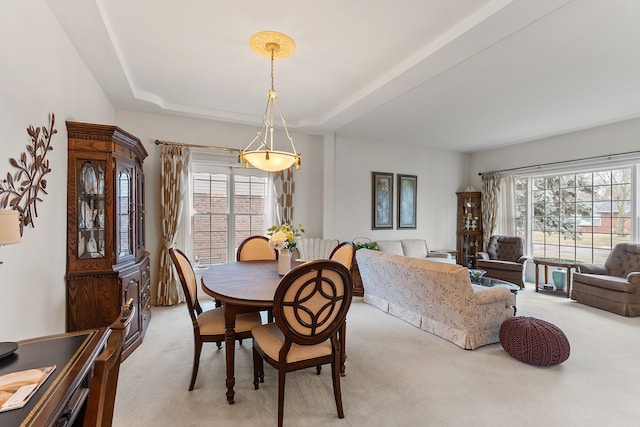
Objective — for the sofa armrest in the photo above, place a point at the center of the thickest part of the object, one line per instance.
(485, 295)
(634, 278)
(593, 269)
(522, 259)
(482, 255)
(435, 254)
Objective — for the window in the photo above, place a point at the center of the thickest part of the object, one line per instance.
(228, 206)
(576, 216)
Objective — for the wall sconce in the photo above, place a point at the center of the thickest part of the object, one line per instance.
(9, 227)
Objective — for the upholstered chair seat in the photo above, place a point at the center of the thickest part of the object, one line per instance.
(271, 338)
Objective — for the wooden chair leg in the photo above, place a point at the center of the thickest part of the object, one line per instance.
(196, 363)
(342, 338)
(256, 369)
(336, 387)
(281, 381)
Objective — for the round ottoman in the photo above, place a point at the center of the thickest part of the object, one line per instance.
(534, 341)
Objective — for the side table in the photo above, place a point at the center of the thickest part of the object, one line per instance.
(555, 262)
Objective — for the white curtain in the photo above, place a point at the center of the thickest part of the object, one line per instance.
(506, 213)
(173, 177)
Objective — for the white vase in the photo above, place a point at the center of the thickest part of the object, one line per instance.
(284, 261)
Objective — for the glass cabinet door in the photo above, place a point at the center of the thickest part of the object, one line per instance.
(91, 210)
(140, 212)
(124, 212)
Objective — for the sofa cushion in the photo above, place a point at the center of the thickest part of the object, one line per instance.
(414, 248)
(603, 281)
(499, 265)
(390, 246)
(623, 259)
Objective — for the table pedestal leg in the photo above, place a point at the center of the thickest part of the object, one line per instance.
(230, 348)
(537, 268)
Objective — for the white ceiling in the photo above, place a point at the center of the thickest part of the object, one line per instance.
(456, 74)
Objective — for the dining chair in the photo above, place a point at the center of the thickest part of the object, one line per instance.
(310, 305)
(345, 254)
(256, 248)
(208, 326)
(102, 389)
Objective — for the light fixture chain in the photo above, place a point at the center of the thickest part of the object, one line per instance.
(272, 55)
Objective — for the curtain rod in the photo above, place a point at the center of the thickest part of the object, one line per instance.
(209, 147)
(607, 156)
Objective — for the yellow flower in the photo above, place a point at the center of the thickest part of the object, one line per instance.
(284, 236)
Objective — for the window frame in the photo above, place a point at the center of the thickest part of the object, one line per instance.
(593, 253)
(205, 162)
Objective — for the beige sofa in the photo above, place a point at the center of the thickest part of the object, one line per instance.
(414, 248)
(436, 297)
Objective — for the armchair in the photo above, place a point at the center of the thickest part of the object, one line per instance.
(614, 286)
(504, 259)
(311, 248)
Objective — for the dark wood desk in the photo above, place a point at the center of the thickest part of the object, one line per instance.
(60, 400)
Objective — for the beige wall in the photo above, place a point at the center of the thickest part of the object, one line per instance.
(615, 138)
(440, 174)
(41, 73)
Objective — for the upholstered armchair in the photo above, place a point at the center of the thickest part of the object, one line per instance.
(310, 248)
(504, 259)
(614, 286)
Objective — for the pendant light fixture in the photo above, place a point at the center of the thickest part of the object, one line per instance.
(264, 155)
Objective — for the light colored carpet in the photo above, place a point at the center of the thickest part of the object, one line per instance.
(396, 375)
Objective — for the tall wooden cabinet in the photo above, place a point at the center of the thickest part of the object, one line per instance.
(106, 258)
(469, 228)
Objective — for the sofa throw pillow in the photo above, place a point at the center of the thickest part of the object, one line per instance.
(390, 246)
(414, 248)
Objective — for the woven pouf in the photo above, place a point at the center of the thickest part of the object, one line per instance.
(534, 341)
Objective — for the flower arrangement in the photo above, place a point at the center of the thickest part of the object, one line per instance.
(284, 236)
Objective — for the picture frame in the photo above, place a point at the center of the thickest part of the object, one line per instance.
(381, 200)
(407, 201)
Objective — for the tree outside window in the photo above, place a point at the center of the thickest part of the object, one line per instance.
(575, 216)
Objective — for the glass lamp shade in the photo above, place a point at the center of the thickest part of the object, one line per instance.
(9, 227)
(274, 162)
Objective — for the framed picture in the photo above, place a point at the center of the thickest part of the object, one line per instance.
(407, 200)
(382, 200)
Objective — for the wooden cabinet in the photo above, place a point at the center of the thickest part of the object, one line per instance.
(106, 258)
(469, 228)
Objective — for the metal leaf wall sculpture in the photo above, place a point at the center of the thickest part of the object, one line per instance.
(21, 191)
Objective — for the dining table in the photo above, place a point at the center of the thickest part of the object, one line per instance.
(244, 287)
